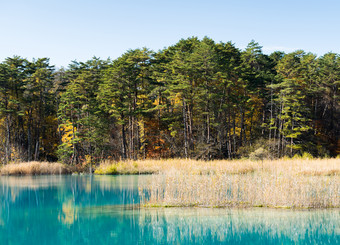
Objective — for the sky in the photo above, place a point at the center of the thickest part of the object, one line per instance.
(66, 30)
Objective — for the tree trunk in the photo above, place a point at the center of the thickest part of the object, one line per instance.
(123, 139)
(8, 140)
(234, 137)
(185, 130)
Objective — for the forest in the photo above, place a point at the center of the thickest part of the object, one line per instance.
(196, 99)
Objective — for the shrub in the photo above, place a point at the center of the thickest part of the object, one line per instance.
(267, 145)
(259, 154)
(108, 169)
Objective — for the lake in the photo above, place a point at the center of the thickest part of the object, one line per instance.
(103, 210)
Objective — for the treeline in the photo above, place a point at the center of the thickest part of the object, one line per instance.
(195, 99)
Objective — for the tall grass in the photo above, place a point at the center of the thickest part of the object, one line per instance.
(159, 166)
(320, 167)
(34, 168)
(131, 167)
(281, 183)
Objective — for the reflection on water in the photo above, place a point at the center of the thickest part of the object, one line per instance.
(101, 210)
(262, 226)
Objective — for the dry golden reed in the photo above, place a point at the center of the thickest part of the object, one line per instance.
(290, 183)
(33, 168)
(159, 166)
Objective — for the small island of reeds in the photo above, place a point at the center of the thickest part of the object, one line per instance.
(285, 183)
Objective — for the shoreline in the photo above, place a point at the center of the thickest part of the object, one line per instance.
(283, 183)
(307, 167)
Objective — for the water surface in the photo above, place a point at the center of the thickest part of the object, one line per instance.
(103, 210)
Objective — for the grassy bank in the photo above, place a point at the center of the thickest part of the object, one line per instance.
(280, 183)
(307, 167)
(161, 166)
(34, 168)
(129, 167)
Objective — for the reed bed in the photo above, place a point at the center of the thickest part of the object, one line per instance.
(108, 167)
(307, 167)
(159, 166)
(34, 168)
(281, 183)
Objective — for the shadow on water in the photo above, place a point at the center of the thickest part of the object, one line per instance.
(102, 210)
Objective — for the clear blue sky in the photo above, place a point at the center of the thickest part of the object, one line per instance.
(66, 30)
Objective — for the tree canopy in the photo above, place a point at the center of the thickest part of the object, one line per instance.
(196, 99)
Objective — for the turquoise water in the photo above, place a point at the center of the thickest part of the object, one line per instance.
(101, 210)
